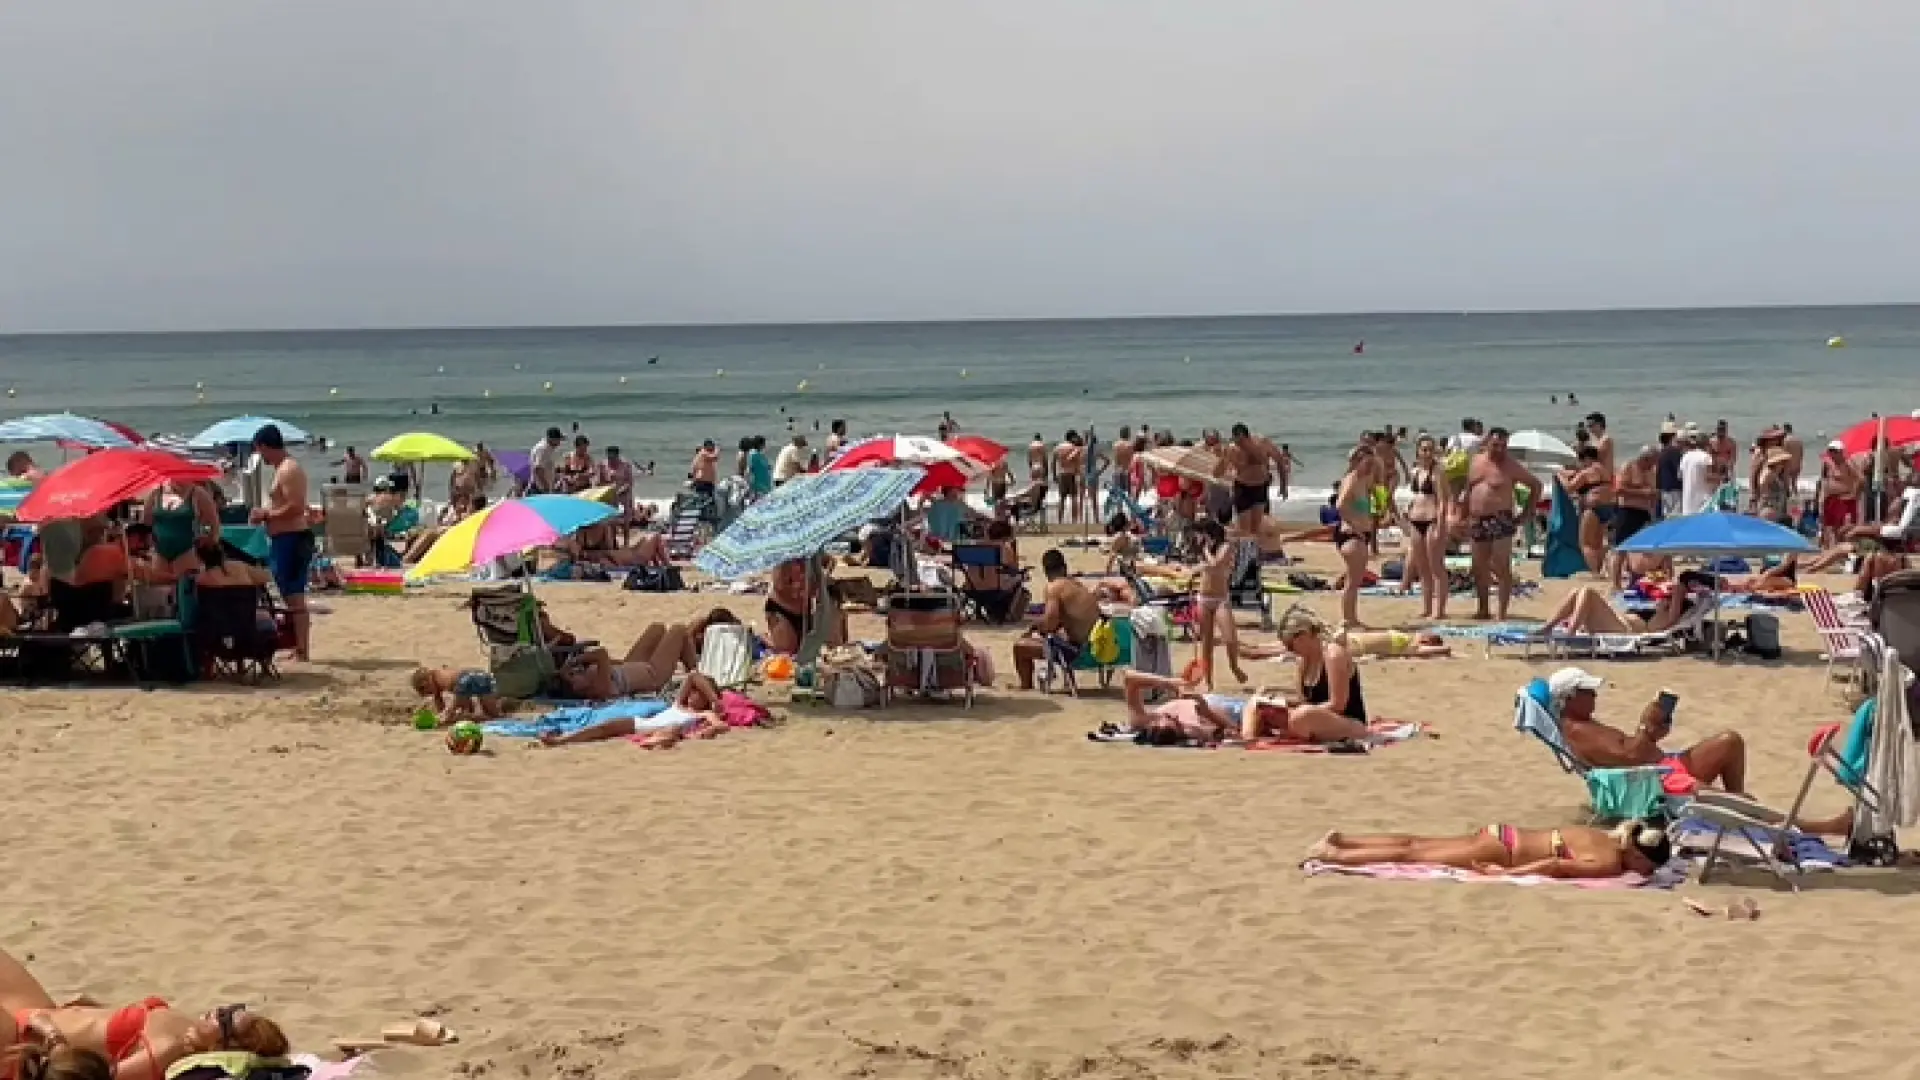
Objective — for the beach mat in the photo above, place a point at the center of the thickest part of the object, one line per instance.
(1667, 877)
(580, 717)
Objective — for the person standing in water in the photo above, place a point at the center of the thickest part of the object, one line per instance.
(290, 534)
(1491, 522)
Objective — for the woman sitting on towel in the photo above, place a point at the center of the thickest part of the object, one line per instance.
(1637, 847)
(694, 714)
(81, 1040)
(1330, 707)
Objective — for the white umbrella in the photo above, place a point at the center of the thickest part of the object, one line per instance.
(1538, 446)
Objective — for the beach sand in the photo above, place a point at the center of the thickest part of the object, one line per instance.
(923, 892)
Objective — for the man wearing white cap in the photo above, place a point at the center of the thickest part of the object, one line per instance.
(1720, 759)
(1839, 493)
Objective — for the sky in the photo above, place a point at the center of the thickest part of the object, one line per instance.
(212, 164)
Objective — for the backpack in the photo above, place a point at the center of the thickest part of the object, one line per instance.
(1763, 635)
(1103, 643)
(654, 579)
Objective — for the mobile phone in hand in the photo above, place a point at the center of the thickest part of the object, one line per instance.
(1668, 700)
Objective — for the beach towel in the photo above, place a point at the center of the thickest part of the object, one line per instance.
(580, 717)
(1667, 877)
(1485, 631)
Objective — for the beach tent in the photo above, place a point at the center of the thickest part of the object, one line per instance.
(1563, 557)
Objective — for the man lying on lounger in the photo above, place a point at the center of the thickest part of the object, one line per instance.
(1718, 759)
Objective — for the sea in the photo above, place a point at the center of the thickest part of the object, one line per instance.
(1313, 382)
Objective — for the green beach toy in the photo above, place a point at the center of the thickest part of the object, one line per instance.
(425, 719)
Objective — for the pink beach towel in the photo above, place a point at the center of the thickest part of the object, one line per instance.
(1662, 879)
(1384, 733)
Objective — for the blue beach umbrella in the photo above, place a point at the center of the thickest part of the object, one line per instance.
(239, 430)
(802, 517)
(1715, 536)
(62, 427)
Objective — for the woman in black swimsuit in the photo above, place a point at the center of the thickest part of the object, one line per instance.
(1426, 561)
(1592, 491)
(1331, 707)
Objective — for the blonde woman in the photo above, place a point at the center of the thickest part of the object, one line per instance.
(1353, 535)
(1426, 561)
(1330, 707)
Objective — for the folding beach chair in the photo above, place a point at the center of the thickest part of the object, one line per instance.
(924, 652)
(991, 592)
(1669, 642)
(1839, 636)
(1246, 589)
(1027, 509)
(690, 524)
(726, 655)
(507, 620)
(235, 633)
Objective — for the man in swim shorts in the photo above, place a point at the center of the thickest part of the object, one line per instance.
(1251, 459)
(1069, 460)
(1491, 478)
(290, 556)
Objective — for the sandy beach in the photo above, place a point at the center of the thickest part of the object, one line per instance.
(921, 892)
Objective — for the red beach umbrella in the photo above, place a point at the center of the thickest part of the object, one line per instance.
(1860, 438)
(99, 482)
(979, 448)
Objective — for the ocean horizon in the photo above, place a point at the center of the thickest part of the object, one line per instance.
(658, 390)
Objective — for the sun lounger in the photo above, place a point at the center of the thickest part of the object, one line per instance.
(1671, 641)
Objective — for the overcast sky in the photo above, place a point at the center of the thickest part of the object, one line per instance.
(252, 163)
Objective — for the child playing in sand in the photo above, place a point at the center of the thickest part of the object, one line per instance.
(471, 692)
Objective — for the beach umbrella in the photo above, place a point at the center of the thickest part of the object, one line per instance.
(420, 446)
(515, 463)
(1190, 462)
(99, 482)
(64, 428)
(897, 450)
(979, 448)
(508, 527)
(800, 518)
(239, 431)
(1538, 446)
(1861, 437)
(1716, 536)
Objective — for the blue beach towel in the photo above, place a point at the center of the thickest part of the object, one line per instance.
(579, 718)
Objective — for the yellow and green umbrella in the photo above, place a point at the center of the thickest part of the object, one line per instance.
(421, 446)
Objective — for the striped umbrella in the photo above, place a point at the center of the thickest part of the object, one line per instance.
(181, 446)
(62, 427)
(802, 517)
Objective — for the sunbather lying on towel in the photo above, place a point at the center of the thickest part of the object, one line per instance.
(1639, 847)
(82, 1040)
(695, 714)
(1718, 759)
(1586, 610)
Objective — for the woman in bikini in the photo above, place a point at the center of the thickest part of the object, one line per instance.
(1427, 517)
(789, 606)
(1638, 847)
(645, 669)
(1397, 644)
(1216, 615)
(1587, 482)
(81, 1040)
(1353, 536)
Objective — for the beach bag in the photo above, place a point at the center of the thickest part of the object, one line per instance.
(851, 688)
(1150, 621)
(1457, 464)
(1104, 643)
(519, 671)
(654, 579)
(1763, 635)
(236, 1065)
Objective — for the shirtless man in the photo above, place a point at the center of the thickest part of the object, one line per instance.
(1491, 520)
(1122, 479)
(1839, 493)
(1251, 460)
(288, 531)
(1635, 500)
(836, 438)
(1723, 450)
(1071, 614)
(1797, 457)
(1069, 459)
(1037, 459)
(705, 468)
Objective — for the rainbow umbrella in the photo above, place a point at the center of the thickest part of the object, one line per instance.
(507, 527)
